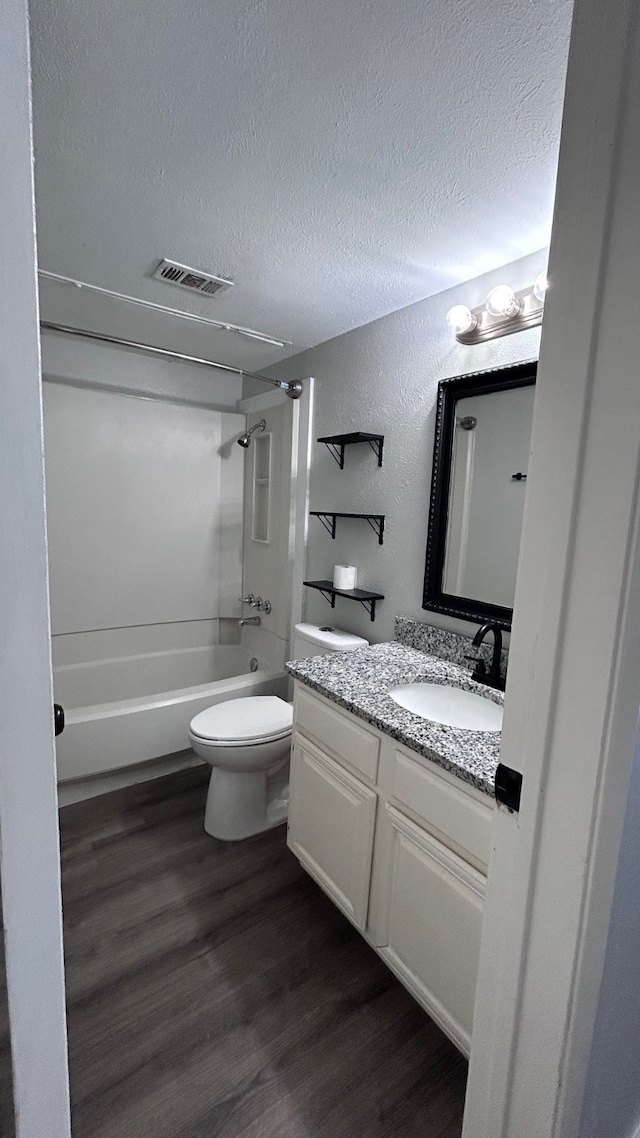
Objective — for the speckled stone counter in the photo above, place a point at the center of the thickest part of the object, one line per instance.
(359, 682)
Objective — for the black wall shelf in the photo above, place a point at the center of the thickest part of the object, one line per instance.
(328, 519)
(366, 599)
(336, 444)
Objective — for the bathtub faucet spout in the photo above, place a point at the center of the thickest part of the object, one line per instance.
(254, 620)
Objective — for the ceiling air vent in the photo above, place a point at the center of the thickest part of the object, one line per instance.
(192, 279)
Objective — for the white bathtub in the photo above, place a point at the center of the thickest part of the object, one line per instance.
(129, 710)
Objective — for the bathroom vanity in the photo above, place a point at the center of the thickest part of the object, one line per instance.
(392, 816)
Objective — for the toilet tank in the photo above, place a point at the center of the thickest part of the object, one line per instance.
(321, 640)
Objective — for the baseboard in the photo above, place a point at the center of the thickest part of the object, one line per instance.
(79, 789)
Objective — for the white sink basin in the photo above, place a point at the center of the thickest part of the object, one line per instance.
(453, 706)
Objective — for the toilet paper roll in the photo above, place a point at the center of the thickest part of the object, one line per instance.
(345, 577)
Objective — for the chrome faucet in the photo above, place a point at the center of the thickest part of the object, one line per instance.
(493, 677)
(251, 620)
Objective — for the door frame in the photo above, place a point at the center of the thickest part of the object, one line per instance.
(29, 840)
(574, 674)
(576, 628)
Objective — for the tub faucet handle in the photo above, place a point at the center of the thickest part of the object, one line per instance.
(248, 600)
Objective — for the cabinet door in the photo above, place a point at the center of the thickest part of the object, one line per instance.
(331, 824)
(436, 903)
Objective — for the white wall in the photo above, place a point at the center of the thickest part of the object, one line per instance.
(612, 1098)
(384, 377)
(29, 848)
(145, 522)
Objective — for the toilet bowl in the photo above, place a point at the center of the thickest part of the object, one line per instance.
(247, 743)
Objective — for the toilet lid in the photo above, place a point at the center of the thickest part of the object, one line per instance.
(255, 718)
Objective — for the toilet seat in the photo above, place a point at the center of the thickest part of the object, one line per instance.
(244, 722)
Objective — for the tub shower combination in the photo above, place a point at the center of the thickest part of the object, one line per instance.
(146, 519)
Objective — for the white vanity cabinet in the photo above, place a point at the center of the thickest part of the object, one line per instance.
(400, 845)
(331, 826)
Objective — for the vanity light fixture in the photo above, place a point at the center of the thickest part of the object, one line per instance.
(504, 312)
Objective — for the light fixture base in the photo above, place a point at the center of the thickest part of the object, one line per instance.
(491, 327)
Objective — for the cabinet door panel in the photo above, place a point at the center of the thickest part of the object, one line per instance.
(436, 905)
(460, 816)
(339, 732)
(331, 825)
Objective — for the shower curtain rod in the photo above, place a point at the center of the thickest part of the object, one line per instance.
(293, 389)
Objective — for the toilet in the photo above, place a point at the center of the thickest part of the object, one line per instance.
(247, 743)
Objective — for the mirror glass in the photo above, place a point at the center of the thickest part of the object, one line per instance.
(483, 435)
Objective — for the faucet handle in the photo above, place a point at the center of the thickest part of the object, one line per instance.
(481, 667)
(248, 600)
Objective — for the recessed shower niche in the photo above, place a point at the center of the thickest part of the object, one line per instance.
(261, 488)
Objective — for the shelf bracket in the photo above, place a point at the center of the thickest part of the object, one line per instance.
(337, 450)
(377, 525)
(328, 521)
(370, 606)
(376, 446)
(331, 597)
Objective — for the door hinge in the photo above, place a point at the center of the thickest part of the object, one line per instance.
(508, 787)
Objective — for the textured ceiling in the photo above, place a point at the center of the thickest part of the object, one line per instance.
(338, 159)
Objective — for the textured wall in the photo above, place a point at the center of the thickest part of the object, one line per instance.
(384, 377)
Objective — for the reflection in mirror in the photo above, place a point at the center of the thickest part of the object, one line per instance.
(486, 498)
(480, 468)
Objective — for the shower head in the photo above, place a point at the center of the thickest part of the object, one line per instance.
(245, 439)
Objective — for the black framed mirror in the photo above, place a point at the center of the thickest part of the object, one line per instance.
(481, 451)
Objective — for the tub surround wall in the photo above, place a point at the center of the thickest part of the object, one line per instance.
(269, 567)
(383, 377)
(89, 363)
(145, 526)
(110, 680)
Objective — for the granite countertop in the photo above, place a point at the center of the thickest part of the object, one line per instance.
(359, 682)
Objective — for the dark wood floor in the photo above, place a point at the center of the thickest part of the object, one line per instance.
(213, 990)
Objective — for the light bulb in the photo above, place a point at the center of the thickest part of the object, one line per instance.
(540, 286)
(501, 301)
(461, 319)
